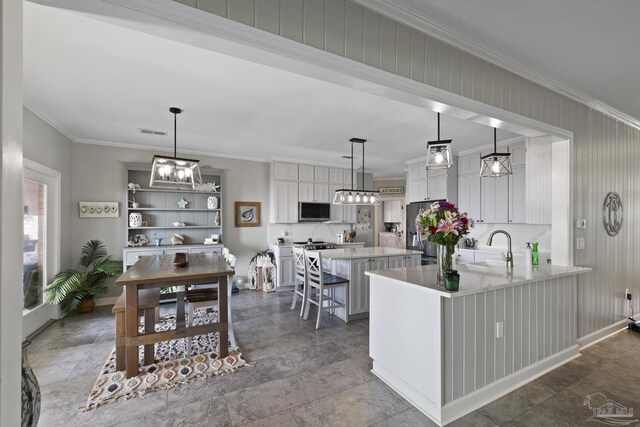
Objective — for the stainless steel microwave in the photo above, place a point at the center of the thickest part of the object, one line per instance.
(314, 212)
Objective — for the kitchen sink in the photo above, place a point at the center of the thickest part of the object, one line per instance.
(487, 264)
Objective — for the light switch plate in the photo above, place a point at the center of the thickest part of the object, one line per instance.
(581, 223)
(98, 209)
(499, 329)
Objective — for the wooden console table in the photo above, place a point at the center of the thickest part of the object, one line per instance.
(158, 271)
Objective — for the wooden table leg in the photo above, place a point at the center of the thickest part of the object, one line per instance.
(131, 329)
(180, 320)
(149, 328)
(223, 316)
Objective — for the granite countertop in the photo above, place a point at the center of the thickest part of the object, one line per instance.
(359, 253)
(477, 277)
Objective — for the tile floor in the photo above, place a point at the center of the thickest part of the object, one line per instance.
(304, 377)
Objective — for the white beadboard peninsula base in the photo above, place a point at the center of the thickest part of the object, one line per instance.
(479, 398)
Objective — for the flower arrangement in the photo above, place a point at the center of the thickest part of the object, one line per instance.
(443, 224)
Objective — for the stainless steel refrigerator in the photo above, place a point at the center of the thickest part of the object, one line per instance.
(429, 250)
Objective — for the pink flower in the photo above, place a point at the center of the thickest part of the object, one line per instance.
(448, 226)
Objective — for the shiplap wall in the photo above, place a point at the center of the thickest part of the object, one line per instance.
(539, 320)
(606, 152)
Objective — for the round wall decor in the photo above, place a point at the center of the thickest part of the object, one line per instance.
(612, 213)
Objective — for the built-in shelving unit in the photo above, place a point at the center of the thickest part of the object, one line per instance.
(159, 208)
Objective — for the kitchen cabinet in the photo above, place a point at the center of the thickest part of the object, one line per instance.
(469, 164)
(306, 173)
(284, 203)
(286, 271)
(285, 171)
(518, 195)
(404, 261)
(437, 188)
(359, 283)
(469, 195)
(392, 211)
(321, 174)
(337, 211)
(311, 192)
(495, 200)
(438, 184)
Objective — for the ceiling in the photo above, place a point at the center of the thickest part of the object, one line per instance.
(588, 46)
(99, 83)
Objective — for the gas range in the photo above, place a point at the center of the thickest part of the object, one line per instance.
(315, 246)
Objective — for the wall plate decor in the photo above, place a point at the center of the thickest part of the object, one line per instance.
(612, 213)
(98, 209)
(247, 214)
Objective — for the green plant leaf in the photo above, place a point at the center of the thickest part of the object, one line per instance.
(92, 251)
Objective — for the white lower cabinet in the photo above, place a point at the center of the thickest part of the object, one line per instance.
(286, 270)
(359, 287)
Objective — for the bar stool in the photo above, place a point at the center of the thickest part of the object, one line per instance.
(320, 281)
(299, 279)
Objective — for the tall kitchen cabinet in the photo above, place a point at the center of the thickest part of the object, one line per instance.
(436, 184)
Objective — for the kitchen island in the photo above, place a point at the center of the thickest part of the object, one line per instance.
(353, 263)
(449, 353)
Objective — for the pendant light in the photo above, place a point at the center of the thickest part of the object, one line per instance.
(439, 152)
(496, 164)
(352, 196)
(174, 172)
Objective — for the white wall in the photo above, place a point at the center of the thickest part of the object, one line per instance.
(99, 175)
(45, 145)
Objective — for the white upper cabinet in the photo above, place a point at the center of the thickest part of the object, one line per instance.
(417, 171)
(469, 164)
(518, 195)
(336, 176)
(392, 211)
(495, 200)
(307, 173)
(285, 171)
(518, 154)
(437, 188)
(321, 174)
(321, 193)
(306, 192)
(284, 202)
(469, 195)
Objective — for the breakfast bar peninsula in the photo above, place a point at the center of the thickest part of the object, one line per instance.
(449, 353)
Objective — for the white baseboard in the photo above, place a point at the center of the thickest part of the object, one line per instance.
(604, 333)
(106, 301)
(479, 398)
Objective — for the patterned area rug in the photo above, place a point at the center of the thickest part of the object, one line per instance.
(172, 367)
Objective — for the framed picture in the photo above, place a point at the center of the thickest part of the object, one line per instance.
(247, 214)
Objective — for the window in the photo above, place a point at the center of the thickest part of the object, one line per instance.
(34, 243)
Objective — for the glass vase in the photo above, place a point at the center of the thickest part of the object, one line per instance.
(445, 261)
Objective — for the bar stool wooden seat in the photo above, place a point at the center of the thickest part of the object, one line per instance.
(299, 279)
(149, 307)
(323, 282)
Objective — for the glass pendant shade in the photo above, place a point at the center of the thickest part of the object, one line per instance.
(439, 152)
(496, 164)
(174, 172)
(346, 196)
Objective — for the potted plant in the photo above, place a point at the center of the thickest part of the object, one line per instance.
(77, 289)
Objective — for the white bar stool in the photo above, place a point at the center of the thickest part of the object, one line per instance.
(320, 281)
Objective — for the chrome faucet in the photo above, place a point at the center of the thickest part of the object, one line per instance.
(509, 253)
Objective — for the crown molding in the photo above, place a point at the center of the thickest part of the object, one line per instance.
(30, 105)
(410, 16)
(188, 152)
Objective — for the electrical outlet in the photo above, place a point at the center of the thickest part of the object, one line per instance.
(581, 223)
(580, 243)
(500, 329)
(627, 294)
